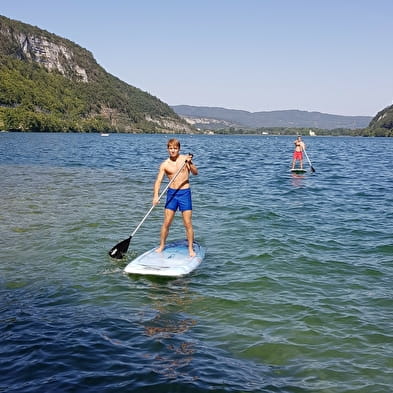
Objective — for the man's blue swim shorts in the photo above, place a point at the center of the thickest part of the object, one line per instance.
(178, 199)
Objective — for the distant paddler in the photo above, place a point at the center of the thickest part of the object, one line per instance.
(298, 153)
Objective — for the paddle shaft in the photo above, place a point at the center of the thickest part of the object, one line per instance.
(312, 168)
(159, 197)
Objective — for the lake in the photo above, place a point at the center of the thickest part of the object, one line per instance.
(294, 295)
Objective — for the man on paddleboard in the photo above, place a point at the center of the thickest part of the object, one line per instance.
(298, 153)
(178, 194)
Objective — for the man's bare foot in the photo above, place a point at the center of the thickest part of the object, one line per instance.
(192, 253)
(160, 249)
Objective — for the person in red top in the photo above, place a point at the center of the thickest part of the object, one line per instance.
(298, 153)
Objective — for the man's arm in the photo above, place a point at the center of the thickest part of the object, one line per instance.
(157, 183)
(191, 166)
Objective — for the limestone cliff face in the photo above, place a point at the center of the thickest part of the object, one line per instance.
(40, 49)
(50, 55)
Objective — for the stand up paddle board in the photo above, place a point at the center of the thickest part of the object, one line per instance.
(298, 170)
(173, 261)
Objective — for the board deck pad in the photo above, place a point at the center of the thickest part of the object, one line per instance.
(173, 261)
(298, 170)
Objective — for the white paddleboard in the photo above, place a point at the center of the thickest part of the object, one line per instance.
(173, 261)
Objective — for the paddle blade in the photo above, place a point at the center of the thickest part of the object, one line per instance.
(312, 169)
(120, 249)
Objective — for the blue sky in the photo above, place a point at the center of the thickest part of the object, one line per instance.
(331, 56)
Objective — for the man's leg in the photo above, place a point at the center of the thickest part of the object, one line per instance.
(168, 218)
(187, 220)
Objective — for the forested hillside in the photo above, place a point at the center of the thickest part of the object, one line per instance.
(48, 83)
(382, 123)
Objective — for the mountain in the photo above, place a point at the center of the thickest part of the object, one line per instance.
(48, 83)
(382, 123)
(216, 118)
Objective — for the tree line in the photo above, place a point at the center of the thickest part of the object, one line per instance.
(366, 132)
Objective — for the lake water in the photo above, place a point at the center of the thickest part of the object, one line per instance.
(294, 295)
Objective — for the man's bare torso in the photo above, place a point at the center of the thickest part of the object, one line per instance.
(172, 166)
(299, 146)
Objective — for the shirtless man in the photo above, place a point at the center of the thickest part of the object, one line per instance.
(298, 153)
(178, 194)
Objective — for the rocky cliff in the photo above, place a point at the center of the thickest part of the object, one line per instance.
(48, 82)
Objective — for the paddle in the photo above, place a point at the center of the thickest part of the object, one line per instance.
(121, 248)
(312, 168)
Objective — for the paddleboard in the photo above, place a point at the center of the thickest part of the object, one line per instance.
(298, 170)
(173, 261)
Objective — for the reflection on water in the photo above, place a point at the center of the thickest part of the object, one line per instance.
(169, 326)
(297, 179)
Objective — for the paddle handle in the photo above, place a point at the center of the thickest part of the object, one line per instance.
(159, 197)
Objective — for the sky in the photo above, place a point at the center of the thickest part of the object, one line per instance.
(330, 56)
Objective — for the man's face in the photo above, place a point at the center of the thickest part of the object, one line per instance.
(173, 150)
